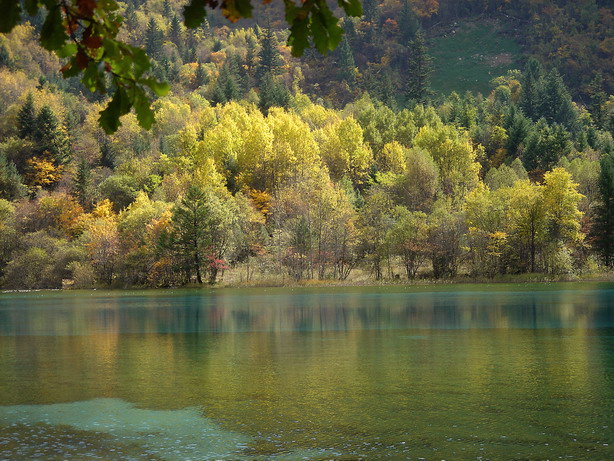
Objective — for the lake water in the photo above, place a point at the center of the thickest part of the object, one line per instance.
(457, 372)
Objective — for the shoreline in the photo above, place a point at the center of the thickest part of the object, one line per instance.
(524, 279)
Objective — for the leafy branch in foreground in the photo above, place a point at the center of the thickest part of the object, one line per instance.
(84, 32)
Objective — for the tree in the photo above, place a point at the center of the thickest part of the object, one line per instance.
(201, 78)
(408, 238)
(345, 63)
(26, 118)
(154, 39)
(603, 231)
(419, 69)
(546, 145)
(11, 187)
(531, 101)
(86, 35)
(202, 227)
(82, 185)
(269, 58)
(51, 137)
(527, 215)
(408, 23)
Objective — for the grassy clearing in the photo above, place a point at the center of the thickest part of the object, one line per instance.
(467, 56)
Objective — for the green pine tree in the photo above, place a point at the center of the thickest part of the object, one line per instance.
(408, 23)
(11, 185)
(557, 106)
(154, 39)
(345, 64)
(603, 230)
(5, 57)
(201, 78)
(270, 61)
(532, 82)
(107, 156)
(272, 93)
(26, 119)
(419, 71)
(518, 128)
(51, 136)
(82, 185)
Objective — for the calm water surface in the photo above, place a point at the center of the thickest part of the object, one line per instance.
(462, 372)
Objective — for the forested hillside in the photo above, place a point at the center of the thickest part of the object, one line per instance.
(317, 167)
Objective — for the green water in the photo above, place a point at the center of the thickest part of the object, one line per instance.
(459, 372)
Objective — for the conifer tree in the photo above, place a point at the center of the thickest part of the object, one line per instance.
(603, 231)
(518, 128)
(167, 10)
(154, 39)
(270, 61)
(51, 137)
(346, 64)
(5, 57)
(419, 70)
(250, 60)
(532, 90)
(82, 184)
(408, 23)
(272, 93)
(201, 78)
(370, 12)
(598, 100)
(11, 187)
(557, 106)
(107, 156)
(26, 118)
(175, 33)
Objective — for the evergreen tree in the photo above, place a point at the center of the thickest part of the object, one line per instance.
(250, 61)
(557, 106)
(175, 32)
(346, 64)
(370, 12)
(107, 156)
(154, 39)
(26, 119)
(272, 93)
(82, 184)
(189, 237)
(408, 23)
(131, 19)
(51, 136)
(531, 101)
(201, 78)
(5, 57)
(603, 231)
(270, 61)
(598, 100)
(546, 145)
(167, 10)
(11, 186)
(349, 29)
(419, 70)
(518, 128)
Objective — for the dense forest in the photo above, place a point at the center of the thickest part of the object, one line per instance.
(319, 167)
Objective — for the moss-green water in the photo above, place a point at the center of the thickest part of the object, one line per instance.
(499, 372)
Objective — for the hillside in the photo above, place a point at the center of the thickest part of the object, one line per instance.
(316, 167)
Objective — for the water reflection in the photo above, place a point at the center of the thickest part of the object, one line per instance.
(380, 375)
(304, 310)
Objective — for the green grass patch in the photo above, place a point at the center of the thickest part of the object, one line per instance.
(468, 56)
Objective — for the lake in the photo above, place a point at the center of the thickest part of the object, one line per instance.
(443, 372)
